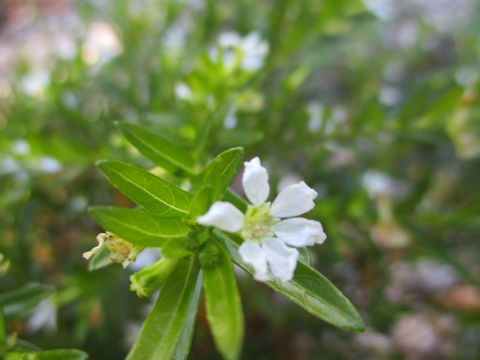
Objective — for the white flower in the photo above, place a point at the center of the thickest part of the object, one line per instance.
(251, 48)
(270, 242)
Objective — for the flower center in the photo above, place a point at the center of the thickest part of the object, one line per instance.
(258, 223)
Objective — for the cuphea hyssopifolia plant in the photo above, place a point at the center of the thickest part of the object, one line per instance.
(201, 233)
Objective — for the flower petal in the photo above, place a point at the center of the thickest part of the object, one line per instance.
(294, 200)
(253, 254)
(255, 182)
(281, 258)
(224, 216)
(300, 232)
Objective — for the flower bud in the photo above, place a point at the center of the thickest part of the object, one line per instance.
(146, 281)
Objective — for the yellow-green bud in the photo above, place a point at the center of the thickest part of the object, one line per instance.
(146, 281)
(122, 251)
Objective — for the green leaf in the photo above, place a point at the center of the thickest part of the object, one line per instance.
(239, 137)
(23, 345)
(161, 331)
(200, 202)
(224, 309)
(100, 259)
(202, 135)
(236, 200)
(186, 336)
(152, 193)
(308, 288)
(220, 172)
(20, 300)
(62, 354)
(138, 227)
(3, 329)
(157, 149)
(59, 354)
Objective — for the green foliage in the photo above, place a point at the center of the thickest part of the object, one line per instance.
(149, 191)
(162, 329)
(20, 300)
(309, 289)
(138, 227)
(218, 174)
(157, 149)
(318, 106)
(224, 310)
(59, 354)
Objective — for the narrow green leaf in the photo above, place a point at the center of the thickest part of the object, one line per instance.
(202, 135)
(308, 288)
(236, 200)
(152, 193)
(200, 202)
(224, 309)
(3, 329)
(100, 259)
(20, 300)
(161, 331)
(62, 354)
(24, 345)
(138, 227)
(59, 354)
(186, 336)
(157, 149)
(220, 172)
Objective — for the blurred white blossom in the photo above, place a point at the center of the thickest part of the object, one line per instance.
(35, 82)
(250, 50)
(43, 317)
(101, 44)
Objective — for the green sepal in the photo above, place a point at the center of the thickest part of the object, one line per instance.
(209, 255)
(100, 259)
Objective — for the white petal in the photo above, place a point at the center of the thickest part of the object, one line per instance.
(224, 216)
(300, 232)
(281, 258)
(253, 254)
(255, 182)
(294, 200)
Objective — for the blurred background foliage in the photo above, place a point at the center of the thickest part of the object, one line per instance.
(374, 103)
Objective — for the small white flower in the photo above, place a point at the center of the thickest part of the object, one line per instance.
(270, 242)
(252, 50)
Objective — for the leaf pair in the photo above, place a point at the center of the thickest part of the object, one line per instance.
(160, 198)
